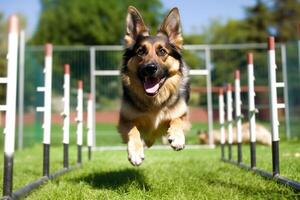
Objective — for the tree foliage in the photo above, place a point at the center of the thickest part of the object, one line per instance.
(285, 17)
(257, 23)
(90, 22)
(264, 18)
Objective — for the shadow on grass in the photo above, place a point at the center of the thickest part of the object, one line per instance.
(116, 179)
(247, 188)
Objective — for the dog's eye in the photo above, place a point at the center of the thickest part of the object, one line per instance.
(162, 52)
(141, 51)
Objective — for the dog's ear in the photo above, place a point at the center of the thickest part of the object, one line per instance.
(134, 26)
(172, 28)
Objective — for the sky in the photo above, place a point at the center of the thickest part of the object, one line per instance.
(195, 14)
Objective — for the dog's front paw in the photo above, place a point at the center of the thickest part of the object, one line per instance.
(135, 153)
(176, 139)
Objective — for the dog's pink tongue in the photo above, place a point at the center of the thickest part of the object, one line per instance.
(151, 85)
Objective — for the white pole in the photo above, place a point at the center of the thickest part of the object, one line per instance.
(238, 114)
(229, 119)
(273, 90)
(222, 121)
(66, 101)
(79, 117)
(238, 103)
(90, 121)
(66, 116)
(10, 107)
(229, 112)
(48, 93)
(252, 109)
(79, 120)
(21, 89)
(47, 89)
(11, 91)
(90, 124)
(251, 96)
(273, 104)
(222, 116)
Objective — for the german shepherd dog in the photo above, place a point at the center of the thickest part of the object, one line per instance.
(155, 85)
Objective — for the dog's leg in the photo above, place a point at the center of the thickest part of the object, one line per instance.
(176, 134)
(135, 147)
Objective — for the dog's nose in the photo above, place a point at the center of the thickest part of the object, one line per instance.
(149, 69)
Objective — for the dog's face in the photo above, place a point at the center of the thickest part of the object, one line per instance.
(152, 63)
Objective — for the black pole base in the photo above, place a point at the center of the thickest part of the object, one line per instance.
(222, 152)
(66, 155)
(8, 175)
(46, 158)
(229, 151)
(275, 157)
(79, 154)
(239, 152)
(253, 154)
(90, 153)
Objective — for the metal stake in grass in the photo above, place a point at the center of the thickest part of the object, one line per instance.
(222, 121)
(10, 107)
(47, 108)
(229, 119)
(238, 114)
(79, 119)
(66, 115)
(252, 109)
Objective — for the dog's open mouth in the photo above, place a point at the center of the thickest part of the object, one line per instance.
(152, 85)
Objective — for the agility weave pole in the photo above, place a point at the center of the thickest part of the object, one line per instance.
(222, 122)
(79, 120)
(90, 125)
(66, 115)
(238, 114)
(229, 119)
(46, 175)
(252, 110)
(47, 88)
(274, 106)
(46, 109)
(10, 109)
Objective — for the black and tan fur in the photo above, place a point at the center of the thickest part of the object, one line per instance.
(151, 61)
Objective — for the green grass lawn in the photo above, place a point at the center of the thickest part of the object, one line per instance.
(165, 174)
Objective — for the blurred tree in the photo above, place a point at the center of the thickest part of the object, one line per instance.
(225, 61)
(90, 22)
(286, 15)
(259, 25)
(258, 22)
(233, 31)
